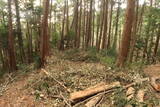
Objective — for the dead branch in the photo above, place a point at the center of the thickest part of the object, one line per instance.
(98, 104)
(61, 84)
(134, 83)
(65, 100)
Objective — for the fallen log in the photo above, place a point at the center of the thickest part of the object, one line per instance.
(97, 85)
(89, 98)
(93, 90)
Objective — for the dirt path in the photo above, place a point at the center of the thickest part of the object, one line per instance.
(17, 95)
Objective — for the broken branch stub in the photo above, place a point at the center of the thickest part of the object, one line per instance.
(130, 93)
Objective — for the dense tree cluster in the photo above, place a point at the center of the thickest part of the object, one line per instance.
(29, 29)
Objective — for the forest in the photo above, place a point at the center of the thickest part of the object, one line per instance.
(79, 53)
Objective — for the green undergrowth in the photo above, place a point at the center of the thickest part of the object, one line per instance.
(91, 55)
(104, 57)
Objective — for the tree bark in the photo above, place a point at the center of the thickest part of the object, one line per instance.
(104, 44)
(101, 25)
(84, 23)
(116, 26)
(79, 25)
(157, 42)
(12, 58)
(93, 24)
(19, 32)
(110, 24)
(89, 33)
(148, 29)
(134, 33)
(63, 28)
(44, 34)
(29, 38)
(1, 53)
(74, 25)
(126, 33)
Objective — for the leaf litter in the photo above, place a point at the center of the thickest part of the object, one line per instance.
(78, 75)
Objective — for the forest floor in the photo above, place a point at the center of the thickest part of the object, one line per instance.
(77, 71)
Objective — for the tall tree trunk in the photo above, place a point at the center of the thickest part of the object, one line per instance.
(98, 25)
(101, 25)
(149, 51)
(67, 18)
(151, 3)
(63, 28)
(44, 34)
(12, 58)
(1, 54)
(19, 32)
(126, 33)
(55, 27)
(97, 32)
(79, 26)
(29, 46)
(89, 33)
(84, 25)
(2, 60)
(134, 33)
(93, 24)
(74, 25)
(139, 29)
(50, 20)
(148, 29)
(104, 44)
(110, 24)
(116, 26)
(140, 20)
(157, 42)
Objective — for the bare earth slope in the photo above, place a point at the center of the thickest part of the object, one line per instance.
(17, 95)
